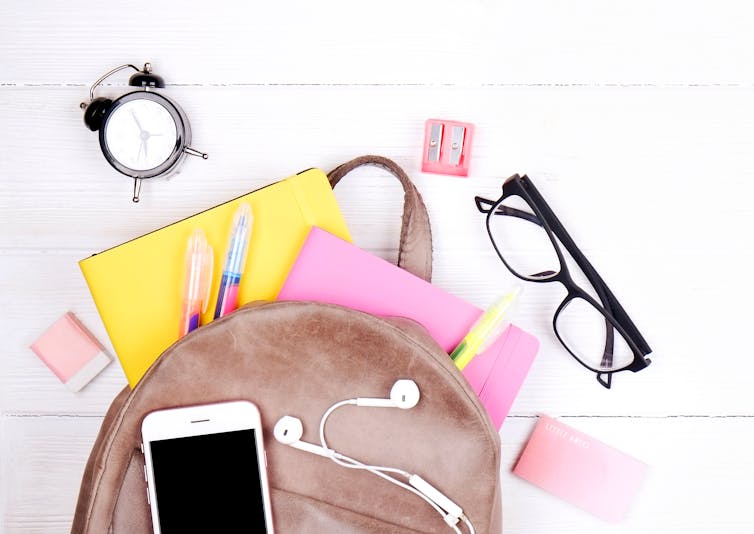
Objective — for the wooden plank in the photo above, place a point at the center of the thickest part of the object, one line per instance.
(699, 472)
(657, 150)
(699, 478)
(582, 42)
(635, 119)
(645, 216)
(43, 459)
(687, 361)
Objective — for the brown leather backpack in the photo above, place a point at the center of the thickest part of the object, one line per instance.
(298, 358)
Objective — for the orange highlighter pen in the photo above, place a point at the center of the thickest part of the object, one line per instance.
(197, 281)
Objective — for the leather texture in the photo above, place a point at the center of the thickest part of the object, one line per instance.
(299, 358)
(415, 248)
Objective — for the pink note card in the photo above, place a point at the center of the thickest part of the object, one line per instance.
(581, 470)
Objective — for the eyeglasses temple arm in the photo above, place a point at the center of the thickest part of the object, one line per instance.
(609, 300)
(606, 296)
(485, 206)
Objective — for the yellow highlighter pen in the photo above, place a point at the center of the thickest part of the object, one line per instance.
(485, 330)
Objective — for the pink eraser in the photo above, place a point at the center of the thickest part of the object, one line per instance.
(581, 470)
(71, 352)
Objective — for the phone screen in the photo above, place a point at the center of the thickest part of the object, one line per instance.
(208, 483)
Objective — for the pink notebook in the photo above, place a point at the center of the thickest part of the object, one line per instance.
(329, 269)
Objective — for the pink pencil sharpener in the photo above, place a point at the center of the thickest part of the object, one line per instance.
(447, 147)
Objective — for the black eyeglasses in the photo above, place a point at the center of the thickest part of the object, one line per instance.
(526, 235)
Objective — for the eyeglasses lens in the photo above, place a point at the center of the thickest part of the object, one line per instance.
(591, 337)
(521, 241)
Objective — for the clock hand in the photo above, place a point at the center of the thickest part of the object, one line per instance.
(138, 124)
(145, 135)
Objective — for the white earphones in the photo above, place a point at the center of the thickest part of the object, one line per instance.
(288, 431)
(404, 395)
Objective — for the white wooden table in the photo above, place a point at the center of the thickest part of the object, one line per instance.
(634, 118)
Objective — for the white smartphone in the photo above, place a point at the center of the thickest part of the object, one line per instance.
(206, 469)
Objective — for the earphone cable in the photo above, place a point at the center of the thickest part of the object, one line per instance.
(381, 471)
(356, 465)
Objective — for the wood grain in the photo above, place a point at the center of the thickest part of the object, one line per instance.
(635, 120)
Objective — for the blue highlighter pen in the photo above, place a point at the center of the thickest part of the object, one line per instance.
(235, 261)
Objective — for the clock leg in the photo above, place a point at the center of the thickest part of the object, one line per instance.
(137, 189)
(194, 152)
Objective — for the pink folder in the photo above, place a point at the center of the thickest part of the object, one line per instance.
(329, 269)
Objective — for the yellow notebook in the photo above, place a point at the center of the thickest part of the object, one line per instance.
(137, 285)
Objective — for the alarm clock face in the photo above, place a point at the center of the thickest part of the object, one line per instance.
(143, 134)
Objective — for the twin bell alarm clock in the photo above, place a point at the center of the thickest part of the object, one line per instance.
(143, 134)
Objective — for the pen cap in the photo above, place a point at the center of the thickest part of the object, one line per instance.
(239, 239)
(496, 319)
(199, 266)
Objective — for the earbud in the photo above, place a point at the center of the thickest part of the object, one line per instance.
(404, 394)
(288, 431)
